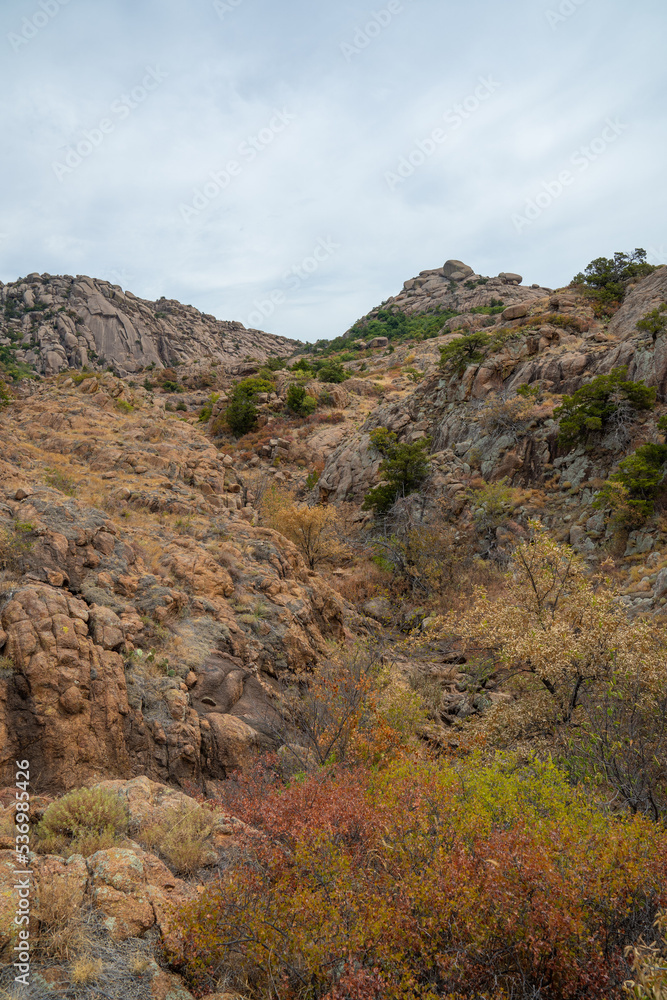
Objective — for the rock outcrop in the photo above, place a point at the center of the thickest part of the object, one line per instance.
(54, 322)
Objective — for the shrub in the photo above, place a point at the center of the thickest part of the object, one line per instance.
(60, 481)
(649, 965)
(654, 322)
(404, 468)
(428, 880)
(124, 406)
(506, 416)
(299, 402)
(332, 371)
(631, 492)
(15, 545)
(566, 647)
(181, 838)
(465, 350)
(83, 821)
(5, 395)
(607, 278)
(492, 505)
(206, 411)
(314, 530)
(241, 414)
(597, 406)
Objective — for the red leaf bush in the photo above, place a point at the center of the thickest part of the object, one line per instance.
(427, 881)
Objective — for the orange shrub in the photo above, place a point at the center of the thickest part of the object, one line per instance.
(428, 881)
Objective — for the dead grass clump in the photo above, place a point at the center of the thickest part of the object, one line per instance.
(86, 970)
(181, 838)
(61, 931)
(362, 583)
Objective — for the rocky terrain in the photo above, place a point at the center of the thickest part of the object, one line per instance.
(149, 617)
(54, 322)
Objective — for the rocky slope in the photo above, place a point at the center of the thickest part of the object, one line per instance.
(145, 621)
(148, 621)
(51, 323)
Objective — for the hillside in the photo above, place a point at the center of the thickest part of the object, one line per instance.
(53, 322)
(326, 616)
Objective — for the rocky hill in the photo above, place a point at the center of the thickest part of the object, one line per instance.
(52, 322)
(159, 590)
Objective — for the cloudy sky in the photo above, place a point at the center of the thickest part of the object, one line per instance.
(289, 164)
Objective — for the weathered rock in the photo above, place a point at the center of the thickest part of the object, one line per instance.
(515, 312)
(456, 268)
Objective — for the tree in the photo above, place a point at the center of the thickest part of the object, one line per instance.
(332, 371)
(404, 468)
(241, 414)
(595, 407)
(299, 402)
(631, 492)
(655, 322)
(314, 530)
(465, 350)
(581, 667)
(607, 278)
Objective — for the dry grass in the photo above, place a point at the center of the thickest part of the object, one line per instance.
(61, 930)
(86, 970)
(181, 838)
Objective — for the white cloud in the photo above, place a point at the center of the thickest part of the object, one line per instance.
(323, 177)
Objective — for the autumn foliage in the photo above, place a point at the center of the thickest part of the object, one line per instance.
(422, 880)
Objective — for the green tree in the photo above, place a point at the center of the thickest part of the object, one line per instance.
(607, 278)
(590, 409)
(299, 402)
(241, 414)
(403, 469)
(332, 371)
(464, 351)
(632, 491)
(654, 322)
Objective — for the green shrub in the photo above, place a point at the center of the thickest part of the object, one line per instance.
(494, 307)
(654, 322)
(169, 386)
(302, 365)
(464, 351)
(241, 415)
(607, 278)
(403, 469)
(332, 371)
(82, 822)
(206, 411)
(640, 478)
(591, 409)
(299, 402)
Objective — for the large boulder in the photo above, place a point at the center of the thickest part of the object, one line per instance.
(456, 270)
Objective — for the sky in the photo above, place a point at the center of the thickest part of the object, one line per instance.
(290, 163)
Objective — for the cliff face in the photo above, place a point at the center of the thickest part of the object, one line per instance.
(50, 323)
